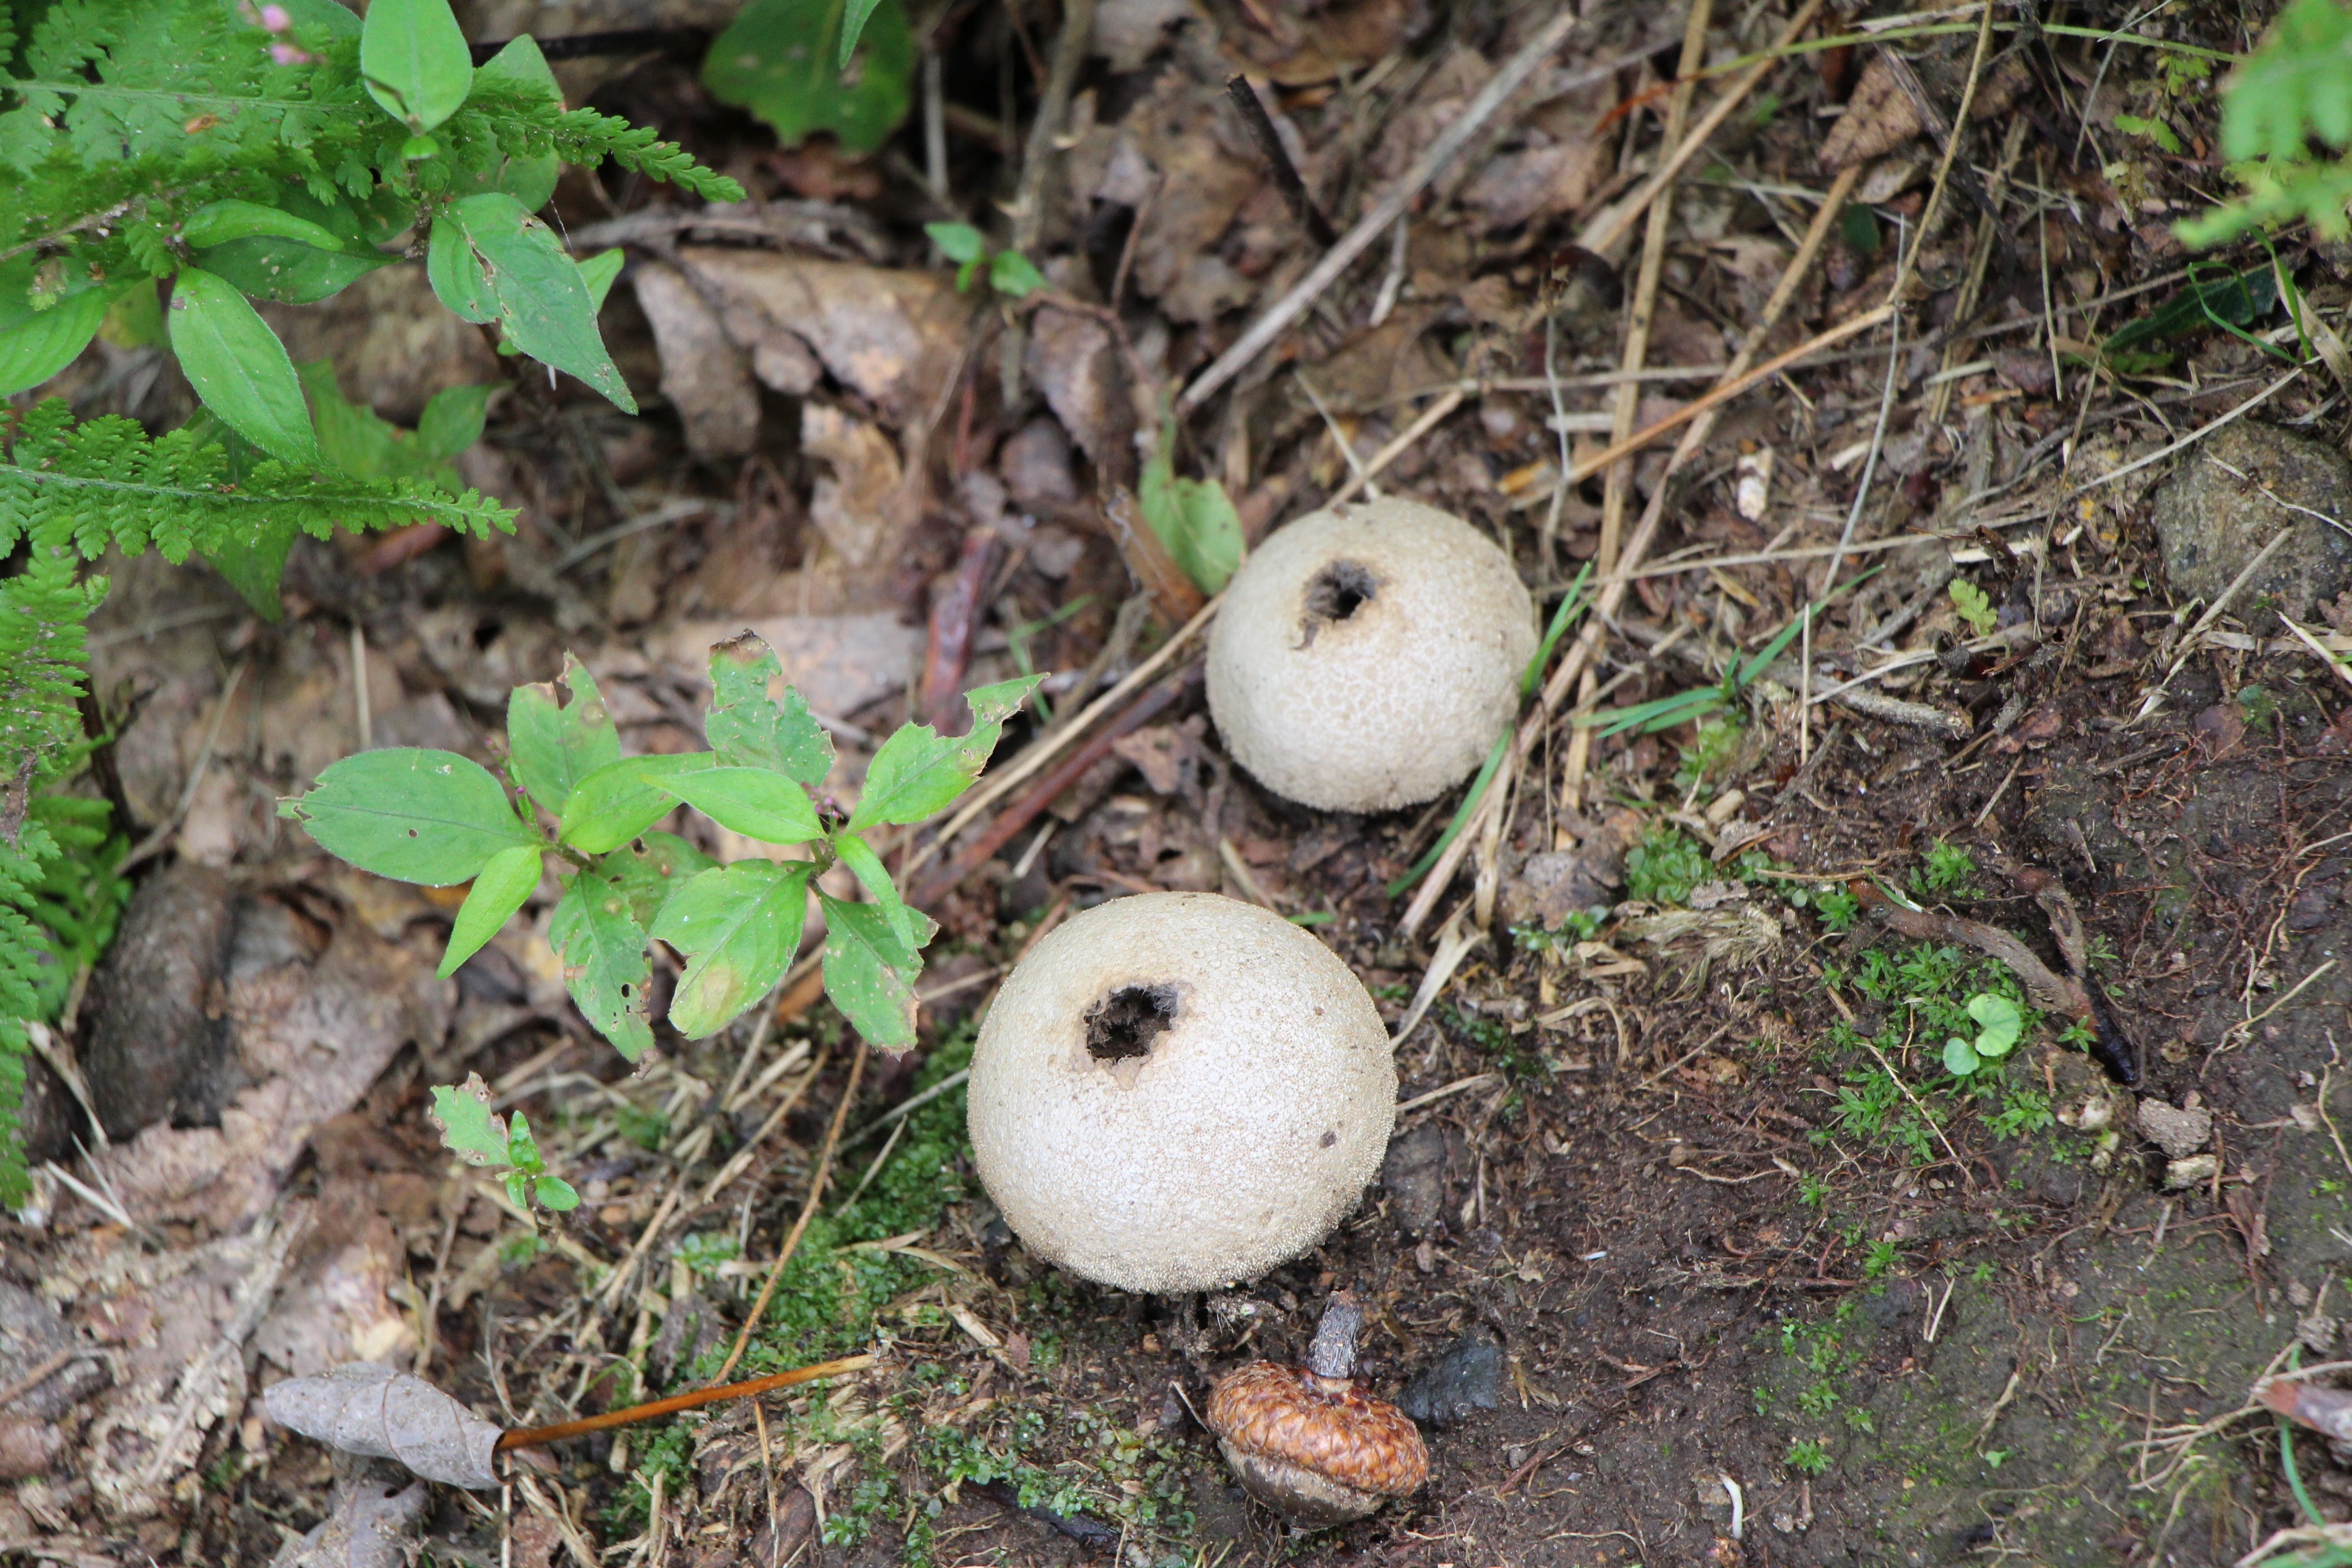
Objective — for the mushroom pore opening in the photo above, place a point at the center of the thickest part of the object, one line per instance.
(1126, 1023)
(1340, 590)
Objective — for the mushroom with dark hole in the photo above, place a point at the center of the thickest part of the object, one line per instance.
(1309, 1444)
(1365, 657)
(1176, 1091)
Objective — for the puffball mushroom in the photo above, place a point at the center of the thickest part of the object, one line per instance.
(1367, 657)
(1305, 1441)
(1176, 1091)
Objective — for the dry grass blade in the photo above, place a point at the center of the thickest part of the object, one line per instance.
(808, 1211)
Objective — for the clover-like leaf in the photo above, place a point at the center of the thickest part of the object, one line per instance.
(918, 774)
(1998, 1023)
(1959, 1056)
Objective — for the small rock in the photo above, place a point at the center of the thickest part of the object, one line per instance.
(1466, 1378)
(1551, 887)
(2179, 1134)
(156, 1033)
(2192, 1171)
(2212, 522)
(2317, 1333)
(28, 1447)
(1413, 1176)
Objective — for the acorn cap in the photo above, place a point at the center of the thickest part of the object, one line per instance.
(1317, 1450)
(1367, 657)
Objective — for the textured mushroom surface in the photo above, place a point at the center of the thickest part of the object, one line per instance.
(1179, 1090)
(1283, 1429)
(1365, 657)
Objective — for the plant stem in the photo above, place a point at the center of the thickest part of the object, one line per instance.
(538, 1436)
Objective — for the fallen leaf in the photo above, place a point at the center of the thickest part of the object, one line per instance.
(1879, 118)
(706, 377)
(370, 1523)
(365, 1407)
(860, 504)
(1071, 360)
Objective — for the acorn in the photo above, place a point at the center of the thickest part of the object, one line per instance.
(1309, 1444)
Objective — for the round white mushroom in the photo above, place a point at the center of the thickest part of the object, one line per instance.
(1176, 1091)
(1367, 657)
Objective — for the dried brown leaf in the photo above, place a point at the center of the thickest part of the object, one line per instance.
(1878, 119)
(366, 1408)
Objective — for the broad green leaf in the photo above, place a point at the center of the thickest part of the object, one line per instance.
(220, 221)
(959, 242)
(750, 729)
(739, 926)
(620, 800)
(867, 867)
(543, 303)
(452, 421)
(2239, 301)
(456, 273)
(415, 59)
(496, 893)
(522, 1149)
(752, 801)
(780, 59)
(530, 181)
(44, 342)
(253, 566)
(469, 1128)
(326, 16)
(1999, 1022)
(518, 1189)
(287, 272)
(916, 775)
(651, 867)
(853, 24)
(869, 973)
(239, 368)
(1194, 518)
(599, 270)
(1009, 272)
(555, 1192)
(135, 318)
(409, 814)
(1960, 1058)
(602, 947)
(2293, 85)
(553, 746)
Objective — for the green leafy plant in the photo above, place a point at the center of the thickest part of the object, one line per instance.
(2295, 89)
(1948, 868)
(1664, 867)
(1684, 707)
(1999, 1023)
(480, 1137)
(437, 818)
(1009, 272)
(2152, 128)
(809, 66)
(1194, 518)
(1974, 607)
(1808, 1457)
(1838, 907)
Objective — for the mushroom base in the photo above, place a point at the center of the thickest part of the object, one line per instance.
(1298, 1494)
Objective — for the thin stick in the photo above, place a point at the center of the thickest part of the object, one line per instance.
(1277, 160)
(1366, 229)
(37, 1376)
(1870, 464)
(1043, 750)
(2248, 406)
(1397, 448)
(808, 1211)
(539, 1437)
(1611, 226)
(1934, 209)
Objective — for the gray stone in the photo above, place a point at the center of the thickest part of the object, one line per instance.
(2212, 521)
(2179, 1134)
(1466, 1378)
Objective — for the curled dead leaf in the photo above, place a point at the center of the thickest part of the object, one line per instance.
(366, 1408)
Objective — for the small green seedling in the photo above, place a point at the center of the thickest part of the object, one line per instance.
(1948, 868)
(1808, 1457)
(1974, 607)
(1009, 272)
(1999, 1025)
(480, 1137)
(440, 819)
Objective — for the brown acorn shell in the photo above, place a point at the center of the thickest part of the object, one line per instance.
(1326, 1426)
